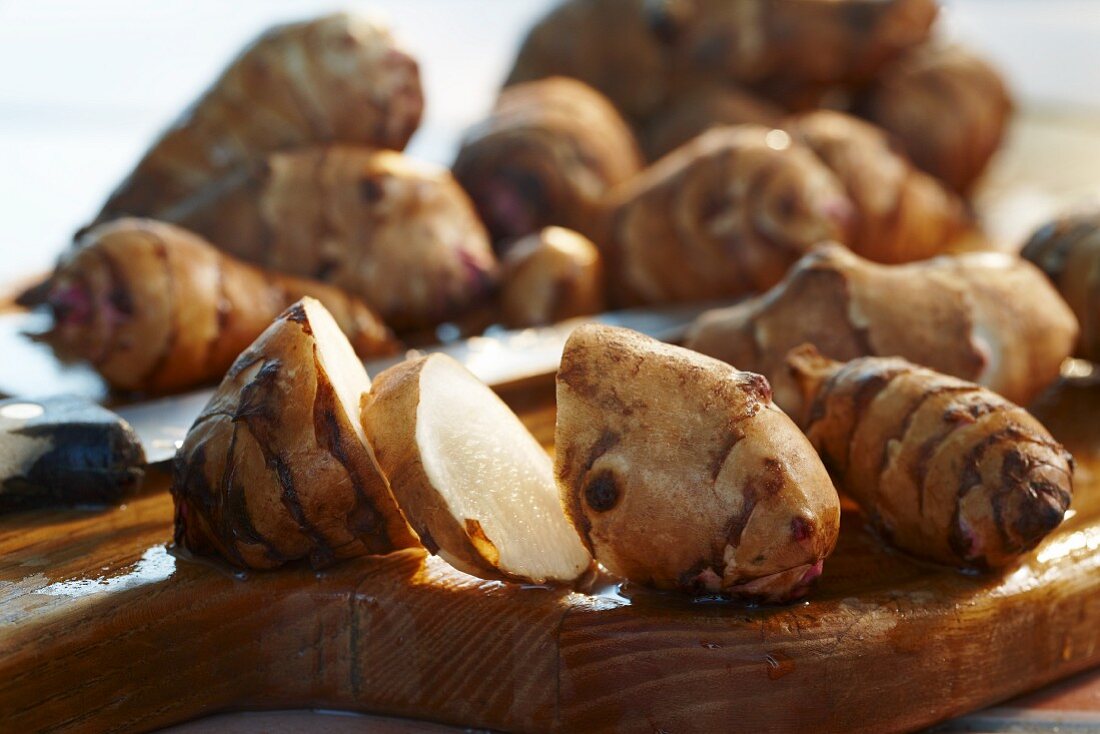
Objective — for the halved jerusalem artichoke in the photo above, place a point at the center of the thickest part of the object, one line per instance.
(277, 467)
(679, 472)
(475, 483)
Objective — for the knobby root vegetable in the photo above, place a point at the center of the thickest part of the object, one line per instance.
(679, 472)
(639, 52)
(402, 236)
(1067, 249)
(990, 318)
(945, 469)
(337, 78)
(947, 107)
(785, 48)
(722, 216)
(699, 108)
(902, 213)
(277, 467)
(615, 46)
(550, 276)
(546, 155)
(476, 485)
(155, 308)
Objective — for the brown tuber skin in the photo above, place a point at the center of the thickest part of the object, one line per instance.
(728, 213)
(550, 276)
(613, 45)
(902, 213)
(947, 107)
(546, 155)
(155, 308)
(337, 78)
(638, 52)
(945, 469)
(989, 318)
(699, 108)
(723, 216)
(277, 468)
(786, 48)
(402, 236)
(679, 472)
(1067, 249)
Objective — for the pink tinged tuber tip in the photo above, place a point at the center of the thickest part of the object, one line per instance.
(71, 304)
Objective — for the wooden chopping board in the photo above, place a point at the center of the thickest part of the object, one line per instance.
(103, 628)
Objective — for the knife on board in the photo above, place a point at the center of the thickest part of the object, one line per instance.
(67, 450)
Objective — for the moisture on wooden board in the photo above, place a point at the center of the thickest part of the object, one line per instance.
(103, 627)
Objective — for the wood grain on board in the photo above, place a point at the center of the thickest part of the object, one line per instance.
(103, 628)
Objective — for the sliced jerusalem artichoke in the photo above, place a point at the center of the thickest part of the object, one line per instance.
(475, 484)
(945, 468)
(278, 467)
(679, 472)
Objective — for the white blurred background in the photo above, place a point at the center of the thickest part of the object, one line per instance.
(85, 85)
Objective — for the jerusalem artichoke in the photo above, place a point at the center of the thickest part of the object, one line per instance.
(679, 472)
(337, 78)
(476, 485)
(402, 236)
(155, 308)
(550, 276)
(947, 107)
(784, 47)
(990, 318)
(278, 467)
(902, 213)
(545, 156)
(1068, 251)
(695, 110)
(945, 469)
(636, 52)
(616, 46)
(722, 216)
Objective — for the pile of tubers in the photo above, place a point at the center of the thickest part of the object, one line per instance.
(281, 466)
(291, 162)
(811, 158)
(289, 165)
